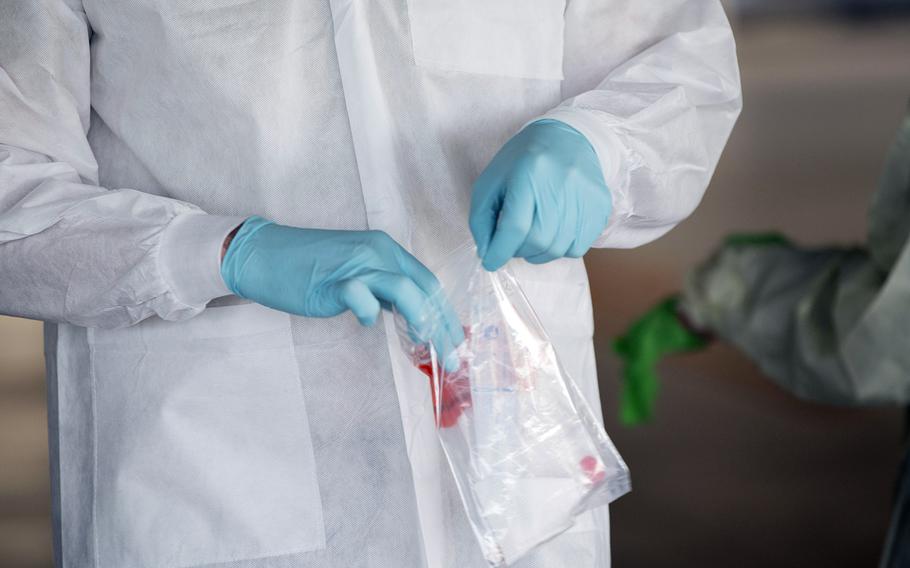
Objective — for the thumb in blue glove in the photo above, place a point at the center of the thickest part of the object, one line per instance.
(542, 197)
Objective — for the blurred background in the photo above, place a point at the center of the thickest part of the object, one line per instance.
(733, 472)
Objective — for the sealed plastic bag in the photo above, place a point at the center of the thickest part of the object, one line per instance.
(526, 451)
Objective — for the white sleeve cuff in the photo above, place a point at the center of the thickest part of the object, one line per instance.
(190, 256)
(614, 164)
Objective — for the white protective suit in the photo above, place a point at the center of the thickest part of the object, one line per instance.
(134, 134)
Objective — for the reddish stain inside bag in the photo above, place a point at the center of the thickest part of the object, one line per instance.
(593, 469)
(456, 389)
(456, 394)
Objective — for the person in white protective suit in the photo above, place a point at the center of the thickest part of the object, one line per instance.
(190, 426)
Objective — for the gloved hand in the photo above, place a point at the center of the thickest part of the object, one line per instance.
(658, 333)
(542, 197)
(322, 273)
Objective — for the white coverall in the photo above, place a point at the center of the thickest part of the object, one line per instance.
(135, 134)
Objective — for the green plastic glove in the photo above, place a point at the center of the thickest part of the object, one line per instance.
(658, 333)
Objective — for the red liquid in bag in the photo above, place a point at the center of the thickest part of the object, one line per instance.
(456, 388)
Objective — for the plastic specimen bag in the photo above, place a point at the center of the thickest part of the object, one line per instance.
(527, 453)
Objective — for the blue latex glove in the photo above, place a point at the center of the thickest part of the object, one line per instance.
(542, 197)
(322, 273)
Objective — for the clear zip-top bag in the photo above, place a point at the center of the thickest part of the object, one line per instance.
(527, 453)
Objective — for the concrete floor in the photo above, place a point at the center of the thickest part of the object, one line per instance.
(734, 472)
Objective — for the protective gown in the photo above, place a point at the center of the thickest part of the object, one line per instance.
(191, 429)
(828, 324)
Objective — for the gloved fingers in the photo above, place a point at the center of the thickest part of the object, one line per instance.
(544, 228)
(515, 219)
(588, 233)
(394, 262)
(402, 294)
(430, 285)
(582, 245)
(486, 200)
(441, 325)
(593, 206)
(446, 311)
(565, 236)
(420, 274)
(357, 297)
(425, 323)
